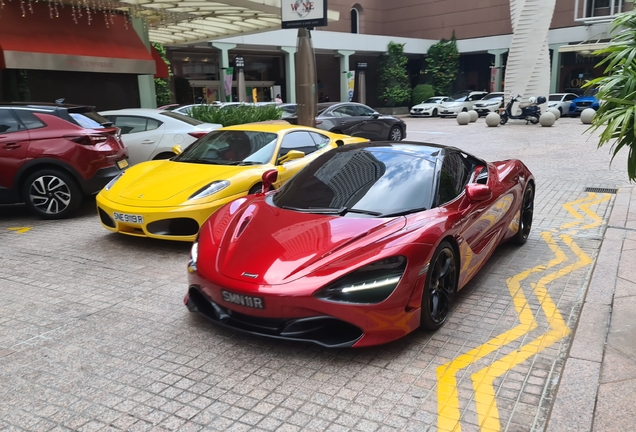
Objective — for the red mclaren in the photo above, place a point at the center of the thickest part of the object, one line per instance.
(363, 246)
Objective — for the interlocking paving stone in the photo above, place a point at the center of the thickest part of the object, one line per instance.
(94, 335)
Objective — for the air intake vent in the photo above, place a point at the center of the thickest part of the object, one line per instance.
(601, 190)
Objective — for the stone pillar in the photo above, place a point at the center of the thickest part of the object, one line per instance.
(146, 83)
(362, 87)
(555, 68)
(224, 63)
(498, 53)
(344, 68)
(306, 79)
(290, 74)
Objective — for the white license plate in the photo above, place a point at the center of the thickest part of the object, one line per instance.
(128, 218)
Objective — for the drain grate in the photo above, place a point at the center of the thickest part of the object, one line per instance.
(601, 190)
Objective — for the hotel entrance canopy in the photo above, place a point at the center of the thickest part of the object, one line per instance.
(176, 22)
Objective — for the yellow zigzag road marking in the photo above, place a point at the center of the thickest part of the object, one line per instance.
(483, 380)
(578, 216)
(597, 219)
(447, 397)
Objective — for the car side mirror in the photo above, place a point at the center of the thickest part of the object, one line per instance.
(478, 192)
(177, 149)
(291, 155)
(375, 115)
(268, 179)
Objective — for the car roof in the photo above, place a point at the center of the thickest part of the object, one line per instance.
(271, 127)
(423, 149)
(47, 106)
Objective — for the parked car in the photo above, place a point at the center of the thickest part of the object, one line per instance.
(289, 109)
(169, 107)
(429, 108)
(185, 109)
(561, 101)
(460, 104)
(150, 134)
(588, 100)
(357, 120)
(489, 103)
(364, 245)
(53, 155)
(170, 199)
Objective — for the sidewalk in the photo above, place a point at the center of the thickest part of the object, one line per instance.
(597, 388)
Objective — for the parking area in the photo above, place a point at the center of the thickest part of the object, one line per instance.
(94, 334)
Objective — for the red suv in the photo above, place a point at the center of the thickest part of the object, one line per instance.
(53, 155)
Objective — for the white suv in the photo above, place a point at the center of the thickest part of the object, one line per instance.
(488, 103)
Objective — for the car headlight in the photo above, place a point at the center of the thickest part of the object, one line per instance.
(111, 183)
(370, 284)
(210, 189)
(492, 103)
(194, 256)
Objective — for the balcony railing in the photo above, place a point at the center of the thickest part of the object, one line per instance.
(595, 11)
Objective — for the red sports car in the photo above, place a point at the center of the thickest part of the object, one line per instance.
(364, 245)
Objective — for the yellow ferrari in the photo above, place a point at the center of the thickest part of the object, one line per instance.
(170, 199)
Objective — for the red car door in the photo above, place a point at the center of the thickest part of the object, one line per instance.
(14, 143)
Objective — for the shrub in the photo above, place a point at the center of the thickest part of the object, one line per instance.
(235, 115)
(421, 92)
(442, 65)
(394, 87)
(162, 86)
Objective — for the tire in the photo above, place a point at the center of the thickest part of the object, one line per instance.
(395, 134)
(442, 116)
(465, 110)
(51, 194)
(434, 114)
(504, 120)
(255, 189)
(534, 120)
(164, 155)
(525, 216)
(440, 287)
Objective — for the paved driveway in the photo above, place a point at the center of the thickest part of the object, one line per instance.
(94, 335)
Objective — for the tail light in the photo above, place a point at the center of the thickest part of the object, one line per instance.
(318, 122)
(87, 139)
(198, 134)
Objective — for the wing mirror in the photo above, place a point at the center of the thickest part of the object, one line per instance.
(177, 149)
(375, 115)
(478, 192)
(268, 179)
(291, 155)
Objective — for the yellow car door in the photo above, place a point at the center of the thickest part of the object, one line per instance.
(288, 160)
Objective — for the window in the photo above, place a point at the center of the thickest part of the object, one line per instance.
(355, 21)
(365, 111)
(134, 124)
(571, 97)
(183, 118)
(29, 120)
(345, 111)
(231, 147)
(319, 139)
(453, 177)
(300, 141)
(8, 122)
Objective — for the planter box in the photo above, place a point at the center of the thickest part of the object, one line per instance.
(393, 110)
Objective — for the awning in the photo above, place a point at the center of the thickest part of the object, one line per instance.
(162, 67)
(184, 21)
(106, 43)
(585, 49)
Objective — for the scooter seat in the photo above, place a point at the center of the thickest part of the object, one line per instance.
(525, 104)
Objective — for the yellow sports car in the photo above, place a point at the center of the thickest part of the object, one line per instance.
(170, 199)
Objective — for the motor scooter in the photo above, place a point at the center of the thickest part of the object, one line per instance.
(530, 111)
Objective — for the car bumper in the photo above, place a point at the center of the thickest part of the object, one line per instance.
(100, 179)
(451, 112)
(293, 313)
(485, 111)
(421, 113)
(180, 223)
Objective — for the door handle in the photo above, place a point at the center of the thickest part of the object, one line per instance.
(148, 142)
(12, 145)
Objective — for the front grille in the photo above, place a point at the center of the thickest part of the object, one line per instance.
(174, 227)
(583, 104)
(601, 190)
(105, 218)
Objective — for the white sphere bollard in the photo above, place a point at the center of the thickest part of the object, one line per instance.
(547, 119)
(463, 118)
(556, 112)
(474, 115)
(588, 115)
(493, 119)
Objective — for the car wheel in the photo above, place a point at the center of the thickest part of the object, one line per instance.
(442, 116)
(440, 287)
(503, 120)
(525, 216)
(255, 189)
(395, 134)
(51, 194)
(434, 114)
(465, 110)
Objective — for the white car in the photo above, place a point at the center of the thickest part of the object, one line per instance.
(561, 101)
(151, 133)
(462, 104)
(430, 107)
(185, 109)
(489, 103)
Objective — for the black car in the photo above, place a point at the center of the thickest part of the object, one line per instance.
(358, 120)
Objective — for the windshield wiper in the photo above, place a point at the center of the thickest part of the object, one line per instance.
(243, 163)
(404, 212)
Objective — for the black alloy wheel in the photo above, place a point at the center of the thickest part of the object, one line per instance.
(434, 112)
(51, 194)
(525, 216)
(440, 287)
(395, 134)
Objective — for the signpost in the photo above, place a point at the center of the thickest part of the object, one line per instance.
(239, 64)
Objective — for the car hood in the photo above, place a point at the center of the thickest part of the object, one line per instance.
(426, 105)
(453, 104)
(169, 183)
(266, 245)
(585, 99)
(488, 102)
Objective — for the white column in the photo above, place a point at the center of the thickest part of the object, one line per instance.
(290, 73)
(146, 83)
(224, 63)
(498, 53)
(555, 69)
(344, 68)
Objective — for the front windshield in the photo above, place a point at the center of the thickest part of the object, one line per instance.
(372, 179)
(492, 96)
(590, 92)
(555, 98)
(433, 100)
(461, 99)
(231, 147)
